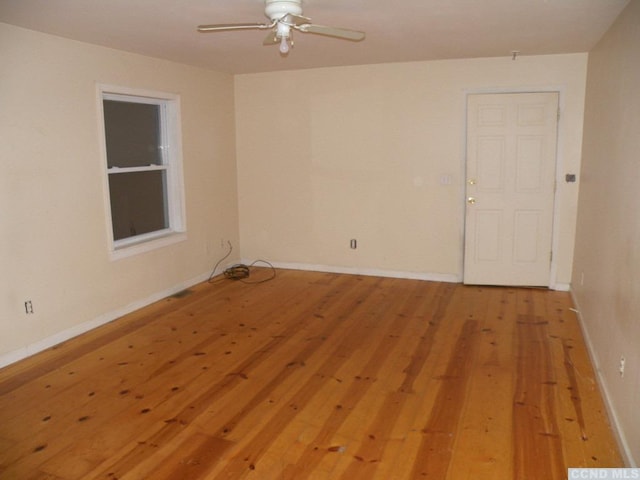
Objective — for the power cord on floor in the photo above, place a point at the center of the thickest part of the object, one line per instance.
(213, 272)
(240, 271)
(237, 272)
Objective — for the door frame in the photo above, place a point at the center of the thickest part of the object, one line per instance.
(555, 235)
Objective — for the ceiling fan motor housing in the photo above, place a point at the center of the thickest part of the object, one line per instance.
(276, 9)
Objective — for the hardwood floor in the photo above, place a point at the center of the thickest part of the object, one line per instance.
(314, 375)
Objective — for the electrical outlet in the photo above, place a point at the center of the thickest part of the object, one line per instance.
(621, 367)
(28, 307)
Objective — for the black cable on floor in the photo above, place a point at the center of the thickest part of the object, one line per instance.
(241, 271)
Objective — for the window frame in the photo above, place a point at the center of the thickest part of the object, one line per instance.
(171, 153)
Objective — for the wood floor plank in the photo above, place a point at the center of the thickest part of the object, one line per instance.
(535, 421)
(318, 376)
(483, 446)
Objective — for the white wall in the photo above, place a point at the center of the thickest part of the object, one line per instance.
(327, 155)
(53, 243)
(606, 276)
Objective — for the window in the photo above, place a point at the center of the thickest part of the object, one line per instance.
(143, 169)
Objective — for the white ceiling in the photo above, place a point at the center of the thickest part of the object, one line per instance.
(397, 30)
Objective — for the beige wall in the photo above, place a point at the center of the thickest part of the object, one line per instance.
(53, 243)
(328, 155)
(606, 276)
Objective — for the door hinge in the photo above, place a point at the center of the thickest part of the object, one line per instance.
(558, 114)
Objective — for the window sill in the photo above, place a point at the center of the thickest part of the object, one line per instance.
(129, 249)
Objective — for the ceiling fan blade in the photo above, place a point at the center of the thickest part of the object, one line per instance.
(294, 20)
(271, 38)
(233, 26)
(333, 32)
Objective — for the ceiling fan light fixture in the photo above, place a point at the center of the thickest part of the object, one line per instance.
(283, 33)
(284, 45)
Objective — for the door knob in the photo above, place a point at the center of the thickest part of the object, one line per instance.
(471, 181)
(471, 200)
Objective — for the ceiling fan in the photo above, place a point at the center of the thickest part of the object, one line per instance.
(285, 16)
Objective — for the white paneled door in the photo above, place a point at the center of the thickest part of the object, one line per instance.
(511, 165)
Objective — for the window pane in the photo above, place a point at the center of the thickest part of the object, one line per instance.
(138, 203)
(132, 133)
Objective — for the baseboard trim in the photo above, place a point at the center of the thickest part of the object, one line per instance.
(372, 272)
(616, 425)
(561, 287)
(63, 336)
